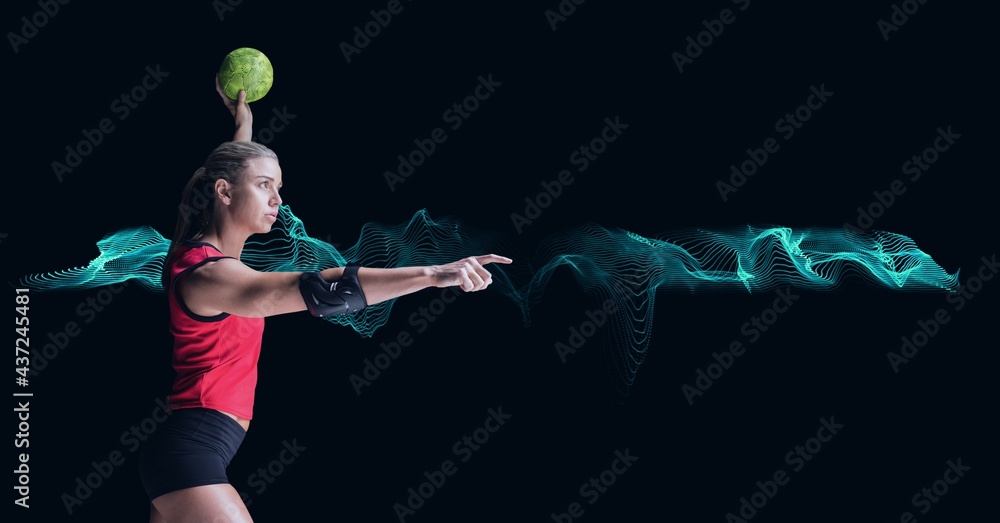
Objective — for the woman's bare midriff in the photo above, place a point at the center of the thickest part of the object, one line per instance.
(245, 423)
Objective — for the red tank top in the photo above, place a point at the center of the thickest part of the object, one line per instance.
(215, 356)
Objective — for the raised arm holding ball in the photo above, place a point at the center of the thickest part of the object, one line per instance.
(217, 309)
(240, 110)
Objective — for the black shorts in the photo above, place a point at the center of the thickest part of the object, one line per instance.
(191, 448)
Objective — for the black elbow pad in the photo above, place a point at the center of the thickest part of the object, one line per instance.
(323, 298)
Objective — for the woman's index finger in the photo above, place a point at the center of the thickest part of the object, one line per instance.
(493, 258)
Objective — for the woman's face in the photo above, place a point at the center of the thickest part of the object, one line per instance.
(256, 200)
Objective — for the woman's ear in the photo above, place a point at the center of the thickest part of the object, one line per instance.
(224, 191)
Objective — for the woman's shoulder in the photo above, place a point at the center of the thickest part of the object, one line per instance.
(191, 252)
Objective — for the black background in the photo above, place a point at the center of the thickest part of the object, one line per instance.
(825, 357)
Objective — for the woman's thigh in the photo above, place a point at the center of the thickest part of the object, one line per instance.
(219, 503)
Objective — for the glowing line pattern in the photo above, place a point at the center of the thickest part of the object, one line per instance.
(611, 263)
(631, 270)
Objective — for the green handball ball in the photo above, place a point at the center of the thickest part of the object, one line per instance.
(246, 69)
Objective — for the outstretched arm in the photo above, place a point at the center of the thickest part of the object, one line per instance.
(385, 284)
(227, 285)
(240, 111)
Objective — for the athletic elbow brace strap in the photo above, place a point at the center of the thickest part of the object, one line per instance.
(324, 298)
